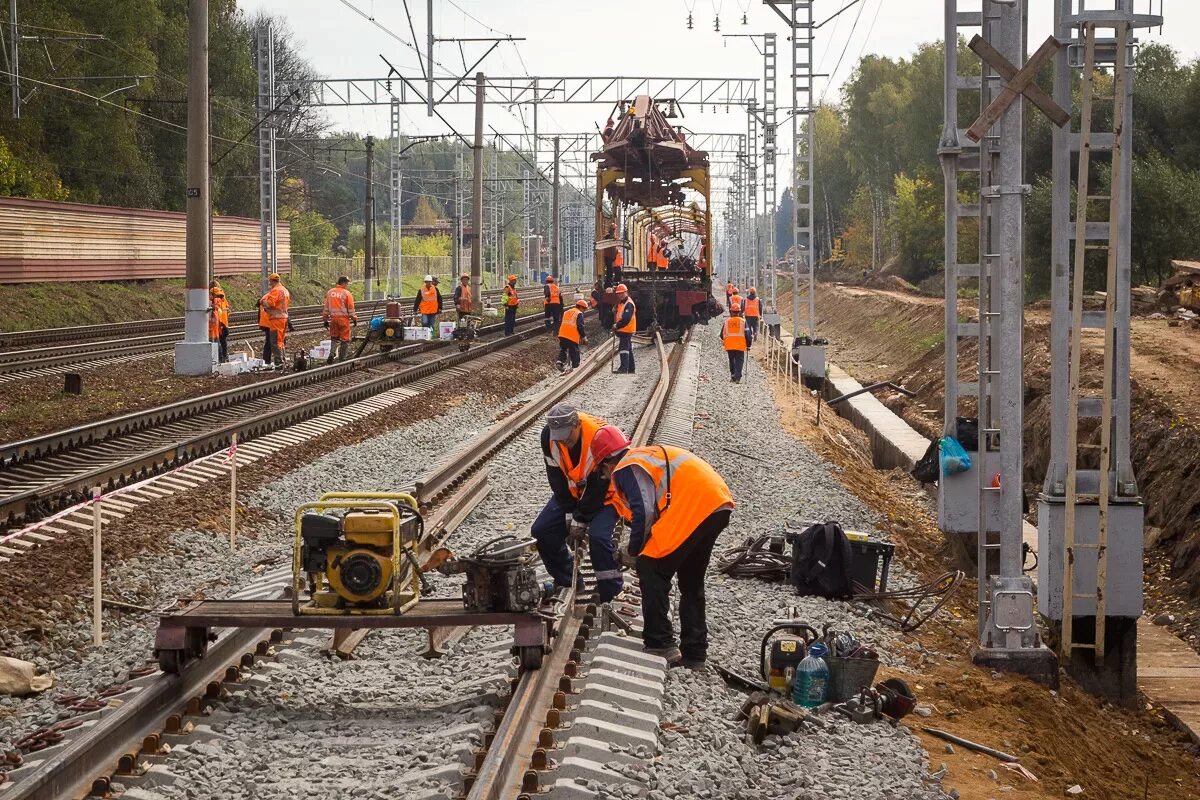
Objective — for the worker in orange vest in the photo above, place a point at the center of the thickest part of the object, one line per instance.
(624, 326)
(273, 319)
(511, 301)
(752, 308)
(218, 319)
(552, 304)
(338, 315)
(728, 294)
(735, 336)
(675, 505)
(428, 302)
(463, 301)
(574, 444)
(571, 335)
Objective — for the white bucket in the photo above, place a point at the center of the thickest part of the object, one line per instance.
(446, 330)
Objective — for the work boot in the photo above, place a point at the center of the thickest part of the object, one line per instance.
(695, 665)
(671, 654)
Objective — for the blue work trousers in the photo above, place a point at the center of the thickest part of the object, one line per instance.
(550, 530)
(510, 320)
(625, 351)
(752, 326)
(428, 320)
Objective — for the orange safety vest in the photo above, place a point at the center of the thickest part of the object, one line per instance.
(219, 315)
(429, 303)
(686, 491)
(632, 326)
(733, 334)
(577, 473)
(619, 258)
(567, 329)
(752, 306)
(465, 301)
(339, 304)
(510, 296)
(555, 297)
(274, 309)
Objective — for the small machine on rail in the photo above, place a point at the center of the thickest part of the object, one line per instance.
(386, 331)
(653, 220)
(355, 564)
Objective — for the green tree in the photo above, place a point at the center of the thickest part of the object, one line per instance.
(312, 234)
(1167, 217)
(19, 178)
(424, 213)
(917, 225)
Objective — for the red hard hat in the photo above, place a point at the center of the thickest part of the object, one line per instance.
(607, 441)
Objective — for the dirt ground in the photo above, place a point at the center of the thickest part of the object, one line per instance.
(1063, 738)
(880, 334)
(62, 572)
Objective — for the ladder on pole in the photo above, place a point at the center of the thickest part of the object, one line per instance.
(1083, 201)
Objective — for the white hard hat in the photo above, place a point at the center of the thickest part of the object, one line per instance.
(429, 278)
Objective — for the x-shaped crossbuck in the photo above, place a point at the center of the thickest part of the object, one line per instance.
(1018, 82)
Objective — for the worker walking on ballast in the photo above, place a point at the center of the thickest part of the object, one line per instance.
(735, 336)
(552, 305)
(574, 445)
(428, 303)
(676, 506)
(273, 319)
(752, 309)
(511, 301)
(571, 335)
(624, 326)
(338, 315)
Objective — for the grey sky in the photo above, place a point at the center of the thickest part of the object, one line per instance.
(624, 37)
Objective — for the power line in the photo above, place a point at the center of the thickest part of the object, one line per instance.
(853, 28)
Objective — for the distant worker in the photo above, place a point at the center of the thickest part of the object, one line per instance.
(428, 303)
(735, 299)
(608, 307)
(597, 295)
(571, 335)
(273, 319)
(218, 320)
(676, 506)
(728, 293)
(338, 316)
(552, 304)
(752, 308)
(574, 445)
(625, 325)
(735, 336)
(614, 259)
(511, 301)
(463, 302)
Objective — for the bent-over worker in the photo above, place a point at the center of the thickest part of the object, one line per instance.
(571, 335)
(735, 337)
(428, 303)
(511, 301)
(676, 506)
(218, 320)
(625, 325)
(463, 301)
(338, 316)
(273, 319)
(552, 304)
(573, 446)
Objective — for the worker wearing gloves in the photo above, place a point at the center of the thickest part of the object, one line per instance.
(273, 319)
(511, 301)
(218, 319)
(624, 326)
(752, 308)
(428, 303)
(676, 506)
(571, 335)
(552, 304)
(573, 446)
(338, 315)
(463, 302)
(735, 336)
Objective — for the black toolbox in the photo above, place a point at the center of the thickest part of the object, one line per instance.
(869, 563)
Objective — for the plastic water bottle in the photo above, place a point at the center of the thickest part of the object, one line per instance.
(812, 678)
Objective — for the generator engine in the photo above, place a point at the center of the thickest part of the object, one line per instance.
(500, 576)
(350, 556)
(466, 330)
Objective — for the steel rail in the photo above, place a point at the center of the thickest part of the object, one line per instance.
(166, 456)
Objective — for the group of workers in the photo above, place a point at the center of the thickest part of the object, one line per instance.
(741, 328)
(673, 503)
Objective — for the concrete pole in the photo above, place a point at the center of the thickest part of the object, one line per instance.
(477, 197)
(195, 354)
(556, 221)
(369, 223)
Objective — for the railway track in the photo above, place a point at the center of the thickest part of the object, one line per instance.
(41, 475)
(152, 714)
(59, 350)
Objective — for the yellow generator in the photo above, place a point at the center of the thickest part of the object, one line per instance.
(355, 554)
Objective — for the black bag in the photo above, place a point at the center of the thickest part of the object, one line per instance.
(926, 470)
(821, 562)
(966, 430)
